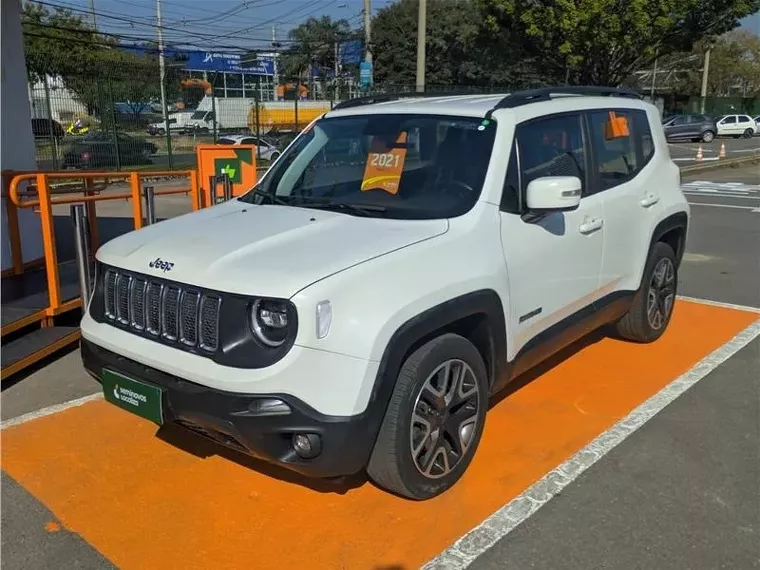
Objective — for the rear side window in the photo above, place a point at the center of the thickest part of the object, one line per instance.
(612, 137)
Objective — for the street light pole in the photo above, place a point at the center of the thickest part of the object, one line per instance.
(421, 38)
(162, 74)
(705, 73)
(367, 30)
(94, 20)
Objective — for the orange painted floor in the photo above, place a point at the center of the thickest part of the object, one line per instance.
(145, 503)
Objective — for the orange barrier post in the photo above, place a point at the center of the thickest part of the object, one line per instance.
(48, 244)
(195, 194)
(134, 183)
(92, 217)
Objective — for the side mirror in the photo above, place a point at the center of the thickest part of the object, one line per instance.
(553, 194)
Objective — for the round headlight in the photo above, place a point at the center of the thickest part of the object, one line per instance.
(269, 321)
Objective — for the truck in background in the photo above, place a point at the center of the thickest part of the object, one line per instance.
(178, 123)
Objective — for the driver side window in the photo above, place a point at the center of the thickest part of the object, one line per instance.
(551, 146)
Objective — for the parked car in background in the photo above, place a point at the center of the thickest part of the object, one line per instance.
(268, 150)
(737, 126)
(694, 128)
(757, 125)
(178, 123)
(41, 128)
(99, 149)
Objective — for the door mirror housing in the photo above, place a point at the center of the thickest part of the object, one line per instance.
(553, 194)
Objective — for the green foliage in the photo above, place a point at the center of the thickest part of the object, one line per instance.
(459, 50)
(313, 45)
(58, 43)
(604, 41)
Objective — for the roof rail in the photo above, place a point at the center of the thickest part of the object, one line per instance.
(519, 98)
(387, 97)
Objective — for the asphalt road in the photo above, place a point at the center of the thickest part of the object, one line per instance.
(685, 153)
(680, 493)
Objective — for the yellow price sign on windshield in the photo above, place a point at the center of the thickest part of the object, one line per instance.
(385, 165)
(616, 127)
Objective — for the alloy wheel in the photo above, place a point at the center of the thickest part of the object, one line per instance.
(661, 294)
(444, 418)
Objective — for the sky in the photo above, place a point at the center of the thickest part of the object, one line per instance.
(227, 23)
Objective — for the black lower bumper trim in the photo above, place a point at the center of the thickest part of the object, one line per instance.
(241, 422)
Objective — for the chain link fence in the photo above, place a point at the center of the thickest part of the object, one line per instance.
(114, 120)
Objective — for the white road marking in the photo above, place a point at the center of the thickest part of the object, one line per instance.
(740, 196)
(719, 304)
(477, 541)
(750, 208)
(50, 410)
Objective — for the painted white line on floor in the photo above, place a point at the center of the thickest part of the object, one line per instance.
(470, 546)
(719, 304)
(750, 208)
(50, 410)
(712, 195)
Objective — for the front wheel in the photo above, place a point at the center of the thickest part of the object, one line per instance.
(653, 304)
(708, 136)
(434, 420)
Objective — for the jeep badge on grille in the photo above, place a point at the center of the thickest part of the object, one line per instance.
(162, 264)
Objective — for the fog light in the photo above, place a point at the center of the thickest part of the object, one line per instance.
(307, 445)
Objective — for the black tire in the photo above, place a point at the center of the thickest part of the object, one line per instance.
(708, 136)
(392, 465)
(636, 324)
(275, 156)
(748, 134)
(161, 132)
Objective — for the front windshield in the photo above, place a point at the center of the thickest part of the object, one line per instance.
(394, 166)
(198, 115)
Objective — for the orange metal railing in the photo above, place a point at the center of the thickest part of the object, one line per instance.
(42, 198)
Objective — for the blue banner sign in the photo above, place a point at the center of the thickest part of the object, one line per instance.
(234, 62)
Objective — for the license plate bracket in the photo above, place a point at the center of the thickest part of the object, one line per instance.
(142, 399)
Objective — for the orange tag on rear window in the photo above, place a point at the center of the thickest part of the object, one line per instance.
(616, 127)
(384, 166)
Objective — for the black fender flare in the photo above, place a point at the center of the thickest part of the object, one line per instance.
(420, 327)
(679, 220)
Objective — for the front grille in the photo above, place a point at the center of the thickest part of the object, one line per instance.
(154, 308)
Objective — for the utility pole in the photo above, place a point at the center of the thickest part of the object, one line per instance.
(654, 80)
(162, 75)
(367, 31)
(94, 20)
(421, 38)
(705, 73)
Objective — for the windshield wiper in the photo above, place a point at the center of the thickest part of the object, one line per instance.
(363, 209)
(273, 198)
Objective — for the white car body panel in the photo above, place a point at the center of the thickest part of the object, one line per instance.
(380, 273)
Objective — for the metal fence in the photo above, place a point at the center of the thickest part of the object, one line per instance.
(115, 120)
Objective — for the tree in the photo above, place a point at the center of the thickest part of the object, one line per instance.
(602, 42)
(313, 46)
(92, 65)
(459, 51)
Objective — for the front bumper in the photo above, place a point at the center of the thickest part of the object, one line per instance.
(236, 421)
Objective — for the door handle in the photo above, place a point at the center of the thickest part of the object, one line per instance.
(649, 200)
(591, 226)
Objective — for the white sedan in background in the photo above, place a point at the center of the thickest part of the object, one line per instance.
(268, 150)
(736, 126)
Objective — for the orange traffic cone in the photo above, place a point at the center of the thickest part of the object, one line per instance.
(700, 156)
(722, 153)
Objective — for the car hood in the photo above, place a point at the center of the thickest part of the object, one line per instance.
(264, 250)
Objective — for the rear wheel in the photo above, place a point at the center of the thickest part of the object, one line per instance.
(708, 136)
(652, 308)
(434, 420)
(748, 133)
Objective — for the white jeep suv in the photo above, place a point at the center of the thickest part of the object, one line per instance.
(403, 260)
